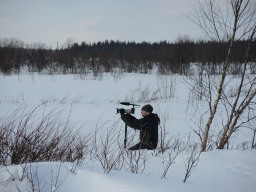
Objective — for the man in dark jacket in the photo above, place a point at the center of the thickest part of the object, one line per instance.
(148, 126)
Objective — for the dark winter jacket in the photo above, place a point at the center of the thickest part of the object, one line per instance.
(148, 127)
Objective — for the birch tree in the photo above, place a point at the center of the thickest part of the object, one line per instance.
(227, 20)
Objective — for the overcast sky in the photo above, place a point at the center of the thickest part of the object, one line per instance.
(52, 21)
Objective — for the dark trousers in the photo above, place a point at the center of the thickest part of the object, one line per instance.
(142, 146)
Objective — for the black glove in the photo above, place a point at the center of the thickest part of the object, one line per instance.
(122, 111)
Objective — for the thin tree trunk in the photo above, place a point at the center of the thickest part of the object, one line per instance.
(229, 129)
(214, 109)
(253, 139)
(225, 137)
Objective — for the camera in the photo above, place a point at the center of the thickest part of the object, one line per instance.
(128, 111)
(132, 110)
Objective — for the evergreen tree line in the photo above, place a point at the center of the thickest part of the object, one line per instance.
(126, 56)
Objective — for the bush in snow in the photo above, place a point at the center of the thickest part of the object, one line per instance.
(27, 136)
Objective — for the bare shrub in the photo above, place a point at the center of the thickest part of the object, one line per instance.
(31, 175)
(30, 135)
(135, 161)
(172, 153)
(167, 86)
(165, 90)
(245, 145)
(97, 71)
(164, 140)
(192, 161)
(142, 95)
(202, 84)
(108, 147)
(117, 74)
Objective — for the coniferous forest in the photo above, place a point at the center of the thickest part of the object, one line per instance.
(133, 57)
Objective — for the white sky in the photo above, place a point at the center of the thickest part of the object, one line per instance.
(52, 21)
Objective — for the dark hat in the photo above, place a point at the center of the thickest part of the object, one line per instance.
(147, 108)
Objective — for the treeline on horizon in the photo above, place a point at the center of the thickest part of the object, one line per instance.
(126, 56)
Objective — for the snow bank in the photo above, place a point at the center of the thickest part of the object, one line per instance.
(93, 102)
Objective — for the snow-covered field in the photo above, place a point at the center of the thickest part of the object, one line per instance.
(94, 102)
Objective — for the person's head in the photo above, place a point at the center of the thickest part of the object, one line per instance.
(146, 110)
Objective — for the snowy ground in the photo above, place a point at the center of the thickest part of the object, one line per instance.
(93, 101)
